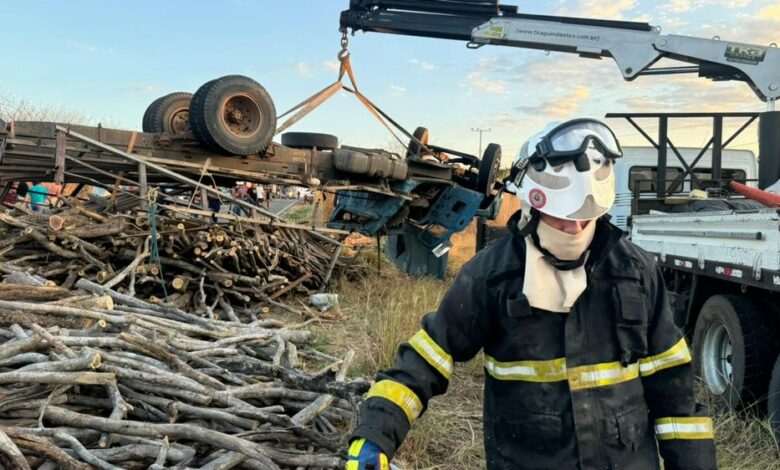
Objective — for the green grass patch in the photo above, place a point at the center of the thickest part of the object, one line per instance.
(300, 213)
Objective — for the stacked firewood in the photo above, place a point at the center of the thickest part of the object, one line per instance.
(143, 340)
(93, 377)
(228, 270)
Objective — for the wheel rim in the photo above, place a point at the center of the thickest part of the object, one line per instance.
(717, 359)
(179, 122)
(242, 115)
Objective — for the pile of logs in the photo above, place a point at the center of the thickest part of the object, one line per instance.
(93, 378)
(142, 341)
(231, 271)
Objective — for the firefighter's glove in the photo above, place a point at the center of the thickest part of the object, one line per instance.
(365, 455)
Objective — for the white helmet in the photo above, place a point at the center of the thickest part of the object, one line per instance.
(566, 170)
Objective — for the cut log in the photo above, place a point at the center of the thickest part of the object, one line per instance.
(32, 293)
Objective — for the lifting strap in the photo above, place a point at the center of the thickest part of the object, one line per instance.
(308, 105)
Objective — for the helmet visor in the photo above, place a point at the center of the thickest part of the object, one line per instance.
(572, 138)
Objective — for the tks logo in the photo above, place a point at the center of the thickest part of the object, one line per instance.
(745, 54)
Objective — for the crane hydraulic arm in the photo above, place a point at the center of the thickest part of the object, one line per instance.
(635, 47)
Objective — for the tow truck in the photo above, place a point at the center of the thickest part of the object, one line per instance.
(721, 266)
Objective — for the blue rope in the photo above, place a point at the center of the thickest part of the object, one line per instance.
(155, 255)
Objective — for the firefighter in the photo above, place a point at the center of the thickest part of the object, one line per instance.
(584, 366)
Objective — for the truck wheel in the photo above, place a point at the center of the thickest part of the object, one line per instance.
(308, 140)
(170, 114)
(488, 169)
(734, 349)
(773, 401)
(233, 115)
(422, 135)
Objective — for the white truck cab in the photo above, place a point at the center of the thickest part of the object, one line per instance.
(637, 170)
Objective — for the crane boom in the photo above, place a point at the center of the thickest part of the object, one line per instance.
(635, 47)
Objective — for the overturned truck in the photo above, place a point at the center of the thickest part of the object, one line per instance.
(224, 133)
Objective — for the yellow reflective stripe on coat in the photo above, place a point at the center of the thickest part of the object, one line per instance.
(432, 353)
(529, 371)
(601, 375)
(674, 356)
(555, 370)
(399, 394)
(588, 376)
(683, 428)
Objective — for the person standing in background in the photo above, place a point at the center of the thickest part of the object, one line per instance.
(37, 196)
(21, 191)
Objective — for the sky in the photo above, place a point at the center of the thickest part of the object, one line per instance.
(107, 60)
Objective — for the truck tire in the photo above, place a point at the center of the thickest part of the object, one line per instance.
(773, 400)
(488, 169)
(233, 115)
(734, 349)
(169, 113)
(308, 140)
(422, 135)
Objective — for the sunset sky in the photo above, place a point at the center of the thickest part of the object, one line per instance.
(107, 60)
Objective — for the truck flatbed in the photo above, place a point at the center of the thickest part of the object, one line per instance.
(737, 246)
(28, 152)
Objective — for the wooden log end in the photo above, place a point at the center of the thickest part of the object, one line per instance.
(56, 222)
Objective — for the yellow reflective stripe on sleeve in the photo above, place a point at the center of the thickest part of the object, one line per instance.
(683, 428)
(383, 463)
(601, 375)
(432, 353)
(356, 447)
(529, 371)
(352, 465)
(399, 394)
(674, 356)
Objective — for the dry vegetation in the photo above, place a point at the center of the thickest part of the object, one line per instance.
(384, 310)
(22, 109)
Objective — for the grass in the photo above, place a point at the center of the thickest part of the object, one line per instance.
(383, 311)
(300, 213)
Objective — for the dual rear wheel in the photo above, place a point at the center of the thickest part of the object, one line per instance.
(233, 115)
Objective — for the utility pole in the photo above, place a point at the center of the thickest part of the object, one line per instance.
(481, 131)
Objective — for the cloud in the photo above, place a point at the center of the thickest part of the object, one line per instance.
(89, 48)
(770, 13)
(424, 66)
(560, 107)
(601, 9)
(483, 77)
(303, 68)
(143, 88)
(332, 65)
(397, 90)
(694, 94)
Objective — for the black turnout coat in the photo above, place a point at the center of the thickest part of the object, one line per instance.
(607, 386)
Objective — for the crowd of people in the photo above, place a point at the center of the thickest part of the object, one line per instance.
(38, 196)
(34, 195)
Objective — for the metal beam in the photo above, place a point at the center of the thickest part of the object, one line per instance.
(680, 115)
(663, 148)
(59, 157)
(717, 148)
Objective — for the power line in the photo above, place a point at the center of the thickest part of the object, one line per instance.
(481, 131)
